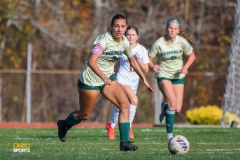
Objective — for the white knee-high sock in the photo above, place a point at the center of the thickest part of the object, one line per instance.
(132, 113)
(114, 119)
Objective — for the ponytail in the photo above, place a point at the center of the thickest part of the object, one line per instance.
(186, 36)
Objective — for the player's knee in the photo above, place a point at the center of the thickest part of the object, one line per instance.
(124, 105)
(134, 101)
(172, 104)
(127, 105)
(178, 110)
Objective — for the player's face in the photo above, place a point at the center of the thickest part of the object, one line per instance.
(172, 30)
(132, 36)
(118, 28)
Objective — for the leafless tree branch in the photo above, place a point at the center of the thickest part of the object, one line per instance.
(49, 33)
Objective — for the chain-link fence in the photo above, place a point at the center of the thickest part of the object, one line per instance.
(54, 95)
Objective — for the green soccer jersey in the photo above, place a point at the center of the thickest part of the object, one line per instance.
(109, 51)
(170, 56)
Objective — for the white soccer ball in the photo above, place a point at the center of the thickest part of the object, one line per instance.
(178, 145)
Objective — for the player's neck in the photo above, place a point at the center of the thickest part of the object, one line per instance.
(169, 40)
(133, 45)
(118, 40)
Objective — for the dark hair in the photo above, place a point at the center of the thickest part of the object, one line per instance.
(118, 16)
(133, 28)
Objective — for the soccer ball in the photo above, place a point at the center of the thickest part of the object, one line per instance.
(178, 145)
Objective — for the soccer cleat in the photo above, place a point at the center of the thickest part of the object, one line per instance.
(131, 135)
(62, 131)
(162, 116)
(111, 134)
(128, 146)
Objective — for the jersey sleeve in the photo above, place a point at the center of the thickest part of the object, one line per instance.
(187, 48)
(144, 55)
(128, 52)
(100, 42)
(153, 50)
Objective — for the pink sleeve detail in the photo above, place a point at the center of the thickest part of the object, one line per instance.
(97, 50)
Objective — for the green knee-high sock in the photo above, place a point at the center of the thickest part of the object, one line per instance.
(124, 131)
(71, 120)
(170, 116)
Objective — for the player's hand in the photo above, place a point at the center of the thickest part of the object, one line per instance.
(137, 57)
(156, 68)
(183, 70)
(148, 86)
(107, 81)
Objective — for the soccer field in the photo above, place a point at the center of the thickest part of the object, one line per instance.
(92, 144)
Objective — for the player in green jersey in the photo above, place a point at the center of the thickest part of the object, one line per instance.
(170, 70)
(97, 77)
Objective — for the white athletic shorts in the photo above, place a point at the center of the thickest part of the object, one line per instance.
(124, 80)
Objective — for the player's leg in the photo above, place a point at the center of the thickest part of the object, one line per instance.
(167, 89)
(162, 116)
(114, 119)
(87, 100)
(131, 94)
(179, 91)
(121, 79)
(117, 96)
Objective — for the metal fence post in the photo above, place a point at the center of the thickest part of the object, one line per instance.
(28, 82)
(158, 97)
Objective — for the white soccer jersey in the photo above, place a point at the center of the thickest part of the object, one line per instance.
(126, 74)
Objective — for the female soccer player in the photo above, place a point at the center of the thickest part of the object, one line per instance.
(97, 77)
(129, 79)
(170, 70)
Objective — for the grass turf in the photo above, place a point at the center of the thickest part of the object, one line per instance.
(92, 143)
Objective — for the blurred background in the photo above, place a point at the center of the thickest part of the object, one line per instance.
(44, 44)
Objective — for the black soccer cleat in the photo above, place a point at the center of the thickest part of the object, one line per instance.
(62, 130)
(128, 146)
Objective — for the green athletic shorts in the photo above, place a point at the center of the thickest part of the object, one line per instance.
(84, 86)
(174, 81)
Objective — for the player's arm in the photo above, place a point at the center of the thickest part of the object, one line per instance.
(92, 63)
(143, 66)
(153, 66)
(152, 52)
(134, 64)
(191, 59)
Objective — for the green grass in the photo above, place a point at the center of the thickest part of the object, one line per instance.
(92, 143)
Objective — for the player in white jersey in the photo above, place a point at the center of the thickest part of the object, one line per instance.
(170, 70)
(129, 79)
(97, 77)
